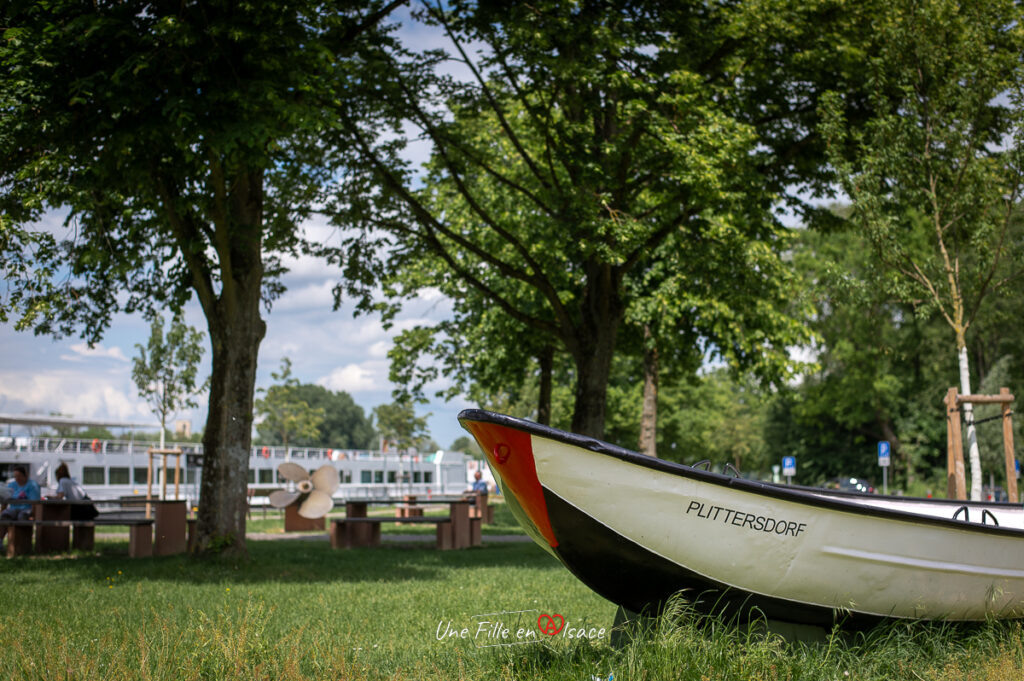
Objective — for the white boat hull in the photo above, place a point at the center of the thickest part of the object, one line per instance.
(638, 529)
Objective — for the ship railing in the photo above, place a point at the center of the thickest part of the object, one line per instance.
(95, 446)
(65, 445)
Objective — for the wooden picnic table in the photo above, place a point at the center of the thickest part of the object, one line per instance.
(170, 523)
(162, 535)
(457, 530)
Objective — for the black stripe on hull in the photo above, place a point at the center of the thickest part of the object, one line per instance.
(629, 575)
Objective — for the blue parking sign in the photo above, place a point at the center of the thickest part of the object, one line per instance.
(883, 453)
(789, 465)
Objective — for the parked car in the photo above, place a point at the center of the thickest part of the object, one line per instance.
(850, 484)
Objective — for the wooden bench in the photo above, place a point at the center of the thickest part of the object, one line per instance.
(19, 535)
(350, 533)
(482, 510)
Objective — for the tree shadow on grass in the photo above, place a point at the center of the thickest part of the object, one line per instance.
(281, 562)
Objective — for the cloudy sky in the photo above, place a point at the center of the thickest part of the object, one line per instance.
(329, 348)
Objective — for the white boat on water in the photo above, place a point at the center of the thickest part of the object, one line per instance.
(637, 530)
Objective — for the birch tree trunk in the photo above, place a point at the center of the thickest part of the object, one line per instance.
(974, 456)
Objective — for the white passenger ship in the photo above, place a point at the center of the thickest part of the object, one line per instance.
(119, 467)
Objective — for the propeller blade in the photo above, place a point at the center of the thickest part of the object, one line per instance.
(316, 505)
(326, 479)
(280, 498)
(292, 471)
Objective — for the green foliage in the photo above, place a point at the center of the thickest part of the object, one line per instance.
(154, 126)
(94, 432)
(285, 417)
(344, 425)
(398, 424)
(938, 172)
(937, 175)
(166, 370)
(29, 262)
(598, 170)
(468, 446)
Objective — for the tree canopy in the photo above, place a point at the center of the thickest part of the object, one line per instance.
(937, 176)
(604, 163)
(185, 142)
(344, 424)
(166, 369)
(285, 416)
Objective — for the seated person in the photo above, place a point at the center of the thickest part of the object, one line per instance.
(479, 486)
(21, 487)
(67, 489)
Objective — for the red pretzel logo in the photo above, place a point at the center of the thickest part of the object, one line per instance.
(501, 452)
(547, 625)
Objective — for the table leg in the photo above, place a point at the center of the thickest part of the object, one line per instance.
(460, 525)
(19, 541)
(52, 538)
(84, 538)
(170, 528)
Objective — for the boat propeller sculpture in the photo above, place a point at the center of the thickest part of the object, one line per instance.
(312, 493)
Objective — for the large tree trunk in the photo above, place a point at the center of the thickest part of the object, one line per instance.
(592, 372)
(594, 348)
(547, 362)
(236, 331)
(649, 414)
(974, 456)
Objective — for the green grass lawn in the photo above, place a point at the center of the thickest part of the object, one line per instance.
(299, 610)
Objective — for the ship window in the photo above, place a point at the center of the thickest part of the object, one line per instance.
(266, 476)
(428, 476)
(140, 475)
(93, 475)
(252, 476)
(365, 476)
(118, 475)
(391, 476)
(190, 476)
(378, 476)
(417, 476)
(348, 477)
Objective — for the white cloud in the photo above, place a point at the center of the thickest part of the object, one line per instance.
(379, 350)
(80, 394)
(368, 376)
(82, 352)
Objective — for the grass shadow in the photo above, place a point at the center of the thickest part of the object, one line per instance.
(283, 561)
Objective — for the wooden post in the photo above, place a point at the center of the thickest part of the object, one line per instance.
(177, 476)
(956, 477)
(149, 483)
(1011, 468)
(956, 483)
(163, 492)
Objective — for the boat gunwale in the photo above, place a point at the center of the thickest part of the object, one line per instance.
(809, 496)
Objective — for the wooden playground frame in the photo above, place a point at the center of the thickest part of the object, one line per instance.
(956, 483)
